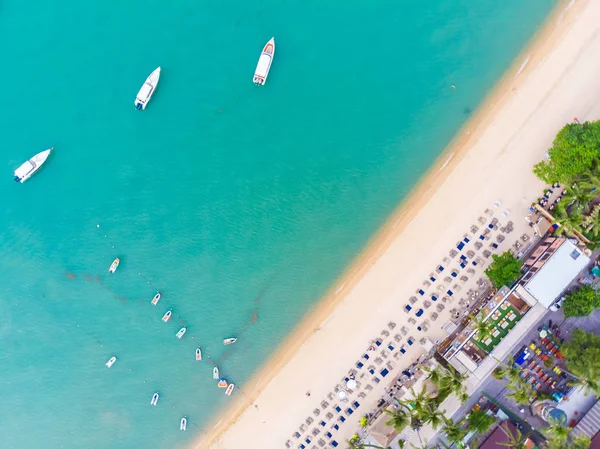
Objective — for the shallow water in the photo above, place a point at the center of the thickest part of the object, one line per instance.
(240, 204)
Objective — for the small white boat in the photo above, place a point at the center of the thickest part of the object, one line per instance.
(114, 265)
(156, 299)
(147, 90)
(181, 331)
(229, 341)
(111, 362)
(216, 373)
(229, 389)
(198, 354)
(264, 63)
(27, 169)
(222, 383)
(167, 316)
(183, 423)
(154, 400)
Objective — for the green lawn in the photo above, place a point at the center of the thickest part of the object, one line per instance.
(503, 332)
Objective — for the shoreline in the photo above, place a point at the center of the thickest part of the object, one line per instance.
(557, 23)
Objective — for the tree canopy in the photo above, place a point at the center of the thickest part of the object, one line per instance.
(573, 152)
(581, 302)
(583, 359)
(504, 269)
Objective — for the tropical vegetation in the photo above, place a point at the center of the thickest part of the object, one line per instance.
(483, 327)
(505, 269)
(575, 149)
(583, 360)
(581, 302)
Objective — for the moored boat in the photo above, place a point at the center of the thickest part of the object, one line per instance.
(167, 316)
(264, 63)
(216, 373)
(111, 362)
(198, 354)
(229, 341)
(154, 400)
(222, 383)
(147, 90)
(156, 299)
(181, 331)
(28, 168)
(229, 389)
(114, 265)
(183, 423)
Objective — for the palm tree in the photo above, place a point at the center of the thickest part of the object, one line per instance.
(435, 375)
(454, 432)
(480, 421)
(556, 430)
(568, 221)
(581, 442)
(516, 440)
(484, 328)
(522, 394)
(453, 381)
(588, 385)
(431, 414)
(592, 221)
(510, 371)
(578, 197)
(399, 419)
(590, 179)
(419, 401)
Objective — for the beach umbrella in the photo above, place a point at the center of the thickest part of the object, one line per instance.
(351, 384)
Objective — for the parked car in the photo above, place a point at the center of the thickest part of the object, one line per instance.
(557, 305)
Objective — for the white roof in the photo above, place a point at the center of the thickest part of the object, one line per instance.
(262, 68)
(557, 273)
(24, 169)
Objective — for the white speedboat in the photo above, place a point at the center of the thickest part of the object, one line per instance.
(198, 354)
(180, 333)
(264, 63)
(27, 169)
(111, 362)
(229, 389)
(156, 299)
(167, 316)
(183, 423)
(216, 373)
(114, 265)
(229, 341)
(147, 90)
(154, 400)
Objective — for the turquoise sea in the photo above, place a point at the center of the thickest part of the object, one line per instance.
(240, 204)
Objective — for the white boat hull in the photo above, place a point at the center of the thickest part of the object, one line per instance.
(27, 169)
(181, 332)
(147, 90)
(264, 63)
(183, 424)
(111, 362)
(154, 400)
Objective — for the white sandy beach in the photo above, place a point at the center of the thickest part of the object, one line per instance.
(490, 161)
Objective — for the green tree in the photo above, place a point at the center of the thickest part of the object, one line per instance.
(363, 422)
(454, 432)
(573, 152)
(580, 442)
(581, 302)
(399, 419)
(448, 381)
(567, 221)
(583, 360)
(480, 421)
(432, 415)
(484, 328)
(556, 431)
(591, 178)
(510, 371)
(504, 269)
(578, 198)
(522, 393)
(591, 222)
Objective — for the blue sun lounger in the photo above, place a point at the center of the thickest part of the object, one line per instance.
(419, 312)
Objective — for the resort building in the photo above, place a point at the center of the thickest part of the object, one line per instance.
(500, 437)
(551, 267)
(589, 426)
